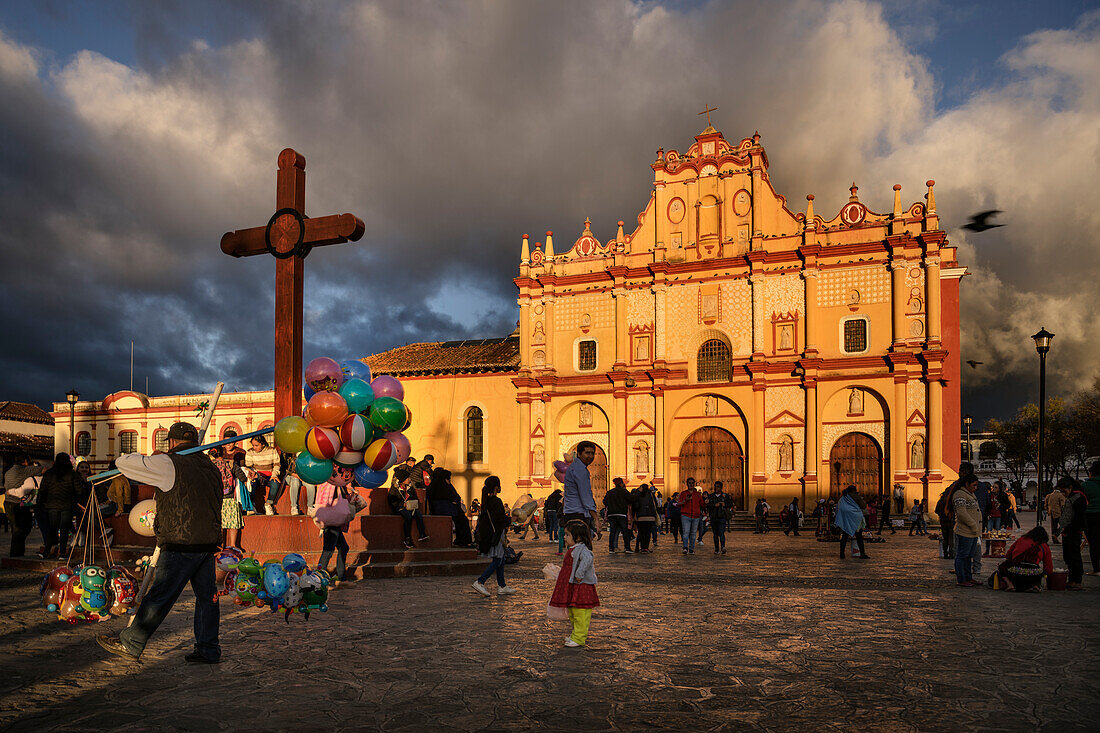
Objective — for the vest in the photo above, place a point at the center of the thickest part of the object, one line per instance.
(189, 516)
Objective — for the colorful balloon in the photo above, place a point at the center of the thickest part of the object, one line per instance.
(123, 590)
(380, 455)
(401, 445)
(322, 443)
(294, 563)
(142, 517)
(387, 413)
(348, 458)
(408, 418)
(368, 478)
(342, 475)
(353, 368)
(324, 375)
(275, 581)
(326, 409)
(290, 434)
(51, 586)
(355, 432)
(313, 470)
(387, 386)
(357, 394)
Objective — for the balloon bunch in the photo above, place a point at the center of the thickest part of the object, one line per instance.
(351, 426)
(88, 592)
(289, 586)
(561, 466)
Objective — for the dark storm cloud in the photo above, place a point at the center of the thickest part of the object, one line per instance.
(451, 129)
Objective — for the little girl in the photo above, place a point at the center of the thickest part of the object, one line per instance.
(576, 585)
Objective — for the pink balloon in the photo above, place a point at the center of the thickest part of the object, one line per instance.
(387, 386)
(559, 477)
(401, 444)
(560, 466)
(324, 375)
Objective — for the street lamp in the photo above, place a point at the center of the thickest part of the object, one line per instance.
(1042, 346)
(968, 420)
(72, 396)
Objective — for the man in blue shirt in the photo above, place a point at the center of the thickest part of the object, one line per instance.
(578, 504)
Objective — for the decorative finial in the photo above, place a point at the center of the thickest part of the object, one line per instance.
(854, 189)
(549, 245)
(619, 234)
(660, 155)
(756, 138)
(587, 225)
(897, 200)
(931, 196)
(525, 250)
(809, 211)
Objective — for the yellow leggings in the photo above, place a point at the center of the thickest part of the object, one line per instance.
(580, 618)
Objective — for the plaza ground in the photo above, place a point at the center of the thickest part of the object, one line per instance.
(779, 634)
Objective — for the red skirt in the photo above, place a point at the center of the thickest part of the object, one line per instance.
(572, 595)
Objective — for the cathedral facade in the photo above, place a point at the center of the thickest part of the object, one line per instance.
(725, 337)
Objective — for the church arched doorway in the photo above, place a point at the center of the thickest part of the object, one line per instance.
(597, 472)
(855, 458)
(712, 454)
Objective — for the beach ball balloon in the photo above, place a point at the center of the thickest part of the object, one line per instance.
(357, 394)
(355, 432)
(380, 455)
(348, 458)
(324, 375)
(401, 445)
(387, 413)
(313, 470)
(327, 409)
(290, 434)
(142, 517)
(387, 386)
(355, 369)
(368, 478)
(322, 443)
(408, 418)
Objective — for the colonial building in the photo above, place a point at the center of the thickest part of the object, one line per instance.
(724, 337)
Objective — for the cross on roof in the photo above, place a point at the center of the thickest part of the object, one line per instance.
(707, 112)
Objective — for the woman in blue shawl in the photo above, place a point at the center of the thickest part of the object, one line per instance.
(849, 520)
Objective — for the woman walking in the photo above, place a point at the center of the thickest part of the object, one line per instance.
(493, 523)
(332, 535)
(57, 501)
(645, 515)
(849, 520)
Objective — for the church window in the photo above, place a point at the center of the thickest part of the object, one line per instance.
(855, 335)
(475, 435)
(714, 362)
(160, 440)
(127, 442)
(83, 444)
(586, 355)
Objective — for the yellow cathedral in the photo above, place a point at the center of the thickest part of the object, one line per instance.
(726, 337)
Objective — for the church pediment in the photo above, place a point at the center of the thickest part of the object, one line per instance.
(785, 419)
(641, 427)
(916, 419)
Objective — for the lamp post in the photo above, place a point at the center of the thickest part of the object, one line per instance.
(72, 396)
(1042, 345)
(968, 420)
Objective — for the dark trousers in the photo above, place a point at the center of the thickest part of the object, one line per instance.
(333, 539)
(646, 531)
(409, 518)
(617, 524)
(174, 571)
(60, 527)
(718, 528)
(1092, 531)
(792, 525)
(885, 522)
(1071, 553)
(947, 537)
(674, 528)
(22, 520)
(552, 524)
(846, 538)
(495, 566)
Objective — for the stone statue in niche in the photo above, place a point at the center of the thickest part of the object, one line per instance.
(641, 457)
(785, 340)
(641, 349)
(855, 402)
(786, 454)
(538, 468)
(585, 412)
(916, 454)
(710, 406)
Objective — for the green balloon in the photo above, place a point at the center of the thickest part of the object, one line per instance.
(290, 434)
(387, 414)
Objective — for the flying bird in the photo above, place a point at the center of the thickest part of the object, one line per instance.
(974, 364)
(980, 222)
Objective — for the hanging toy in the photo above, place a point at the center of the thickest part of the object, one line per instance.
(50, 590)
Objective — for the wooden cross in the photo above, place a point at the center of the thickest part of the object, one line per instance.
(289, 236)
(707, 112)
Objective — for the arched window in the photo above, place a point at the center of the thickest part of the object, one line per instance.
(127, 442)
(160, 439)
(475, 435)
(83, 443)
(714, 362)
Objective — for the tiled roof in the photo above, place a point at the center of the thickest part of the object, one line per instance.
(449, 357)
(24, 412)
(36, 444)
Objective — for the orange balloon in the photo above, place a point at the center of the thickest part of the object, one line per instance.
(326, 409)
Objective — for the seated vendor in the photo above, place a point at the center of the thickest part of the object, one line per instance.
(1026, 562)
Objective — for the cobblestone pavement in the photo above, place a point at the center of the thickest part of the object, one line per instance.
(777, 635)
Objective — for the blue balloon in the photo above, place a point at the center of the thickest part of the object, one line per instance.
(313, 470)
(276, 582)
(294, 563)
(355, 369)
(308, 391)
(367, 478)
(357, 393)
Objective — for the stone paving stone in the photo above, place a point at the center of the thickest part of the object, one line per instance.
(777, 635)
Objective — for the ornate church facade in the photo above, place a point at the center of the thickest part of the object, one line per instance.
(726, 337)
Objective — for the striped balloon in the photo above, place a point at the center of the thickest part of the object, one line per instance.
(355, 432)
(380, 455)
(348, 458)
(322, 443)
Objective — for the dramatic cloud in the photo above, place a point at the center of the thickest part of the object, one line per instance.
(453, 128)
